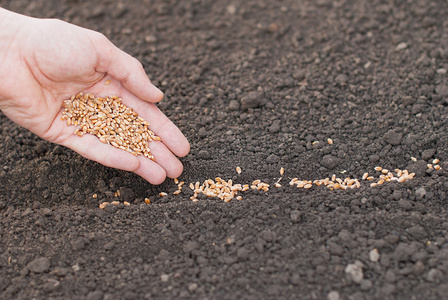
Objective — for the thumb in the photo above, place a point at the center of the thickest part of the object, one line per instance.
(124, 68)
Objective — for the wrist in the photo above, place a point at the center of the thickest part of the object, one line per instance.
(6, 21)
(9, 29)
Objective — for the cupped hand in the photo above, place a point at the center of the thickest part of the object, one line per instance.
(46, 61)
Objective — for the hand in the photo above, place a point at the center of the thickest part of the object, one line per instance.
(46, 61)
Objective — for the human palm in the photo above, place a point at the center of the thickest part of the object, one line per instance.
(47, 61)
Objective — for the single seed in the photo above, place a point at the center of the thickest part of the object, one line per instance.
(282, 171)
(176, 181)
(435, 161)
(436, 167)
(177, 192)
(384, 171)
(300, 184)
(378, 169)
(147, 201)
(373, 184)
(115, 202)
(413, 158)
(107, 82)
(330, 141)
(364, 176)
(307, 186)
(103, 205)
(94, 196)
(239, 198)
(429, 166)
(126, 203)
(162, 194)
(238, 170)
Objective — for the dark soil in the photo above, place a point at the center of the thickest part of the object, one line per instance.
(258, 84)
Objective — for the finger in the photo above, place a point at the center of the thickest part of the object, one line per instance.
(90, 147)
(124, 68)
(151, 171)
(166, 159)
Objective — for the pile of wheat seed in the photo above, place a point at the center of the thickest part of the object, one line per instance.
(111, 121)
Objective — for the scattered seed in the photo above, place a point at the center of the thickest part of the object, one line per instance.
(238, 170)
(103, 205)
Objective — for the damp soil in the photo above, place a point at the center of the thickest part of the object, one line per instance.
(262, 85)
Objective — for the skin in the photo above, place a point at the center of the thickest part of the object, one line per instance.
(45, 61)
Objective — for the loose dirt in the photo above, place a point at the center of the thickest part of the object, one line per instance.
(260, 85)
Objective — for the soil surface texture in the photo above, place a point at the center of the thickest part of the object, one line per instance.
(262, 85)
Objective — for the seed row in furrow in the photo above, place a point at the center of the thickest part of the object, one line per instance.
(227, 190)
